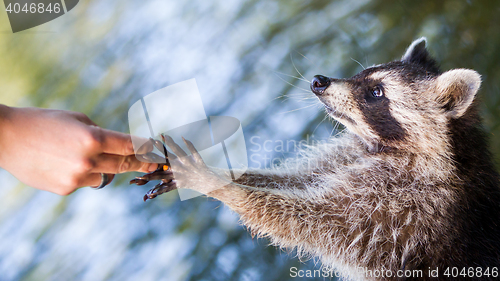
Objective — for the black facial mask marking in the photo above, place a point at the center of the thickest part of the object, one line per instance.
(375, 110)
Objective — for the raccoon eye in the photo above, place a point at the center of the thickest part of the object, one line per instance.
(377, 92)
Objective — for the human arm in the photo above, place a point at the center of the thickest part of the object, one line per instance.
(60, 151)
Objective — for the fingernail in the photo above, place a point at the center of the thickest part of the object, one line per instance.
(153, 167)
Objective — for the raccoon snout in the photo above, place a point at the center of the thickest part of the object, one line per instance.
(319, 83)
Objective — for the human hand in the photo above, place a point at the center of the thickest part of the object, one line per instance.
(60, 151)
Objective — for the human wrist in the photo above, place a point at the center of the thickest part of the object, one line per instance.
(4, 110)
(5, 114)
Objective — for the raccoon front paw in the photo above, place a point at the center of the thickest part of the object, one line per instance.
(190, 171)
(186, 171)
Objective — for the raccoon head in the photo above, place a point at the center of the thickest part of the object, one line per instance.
(405, 104)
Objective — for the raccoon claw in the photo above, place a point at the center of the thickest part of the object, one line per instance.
(138, 181)
(163, 173)
(160, 188)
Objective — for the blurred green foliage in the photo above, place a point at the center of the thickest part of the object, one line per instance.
(103, 55)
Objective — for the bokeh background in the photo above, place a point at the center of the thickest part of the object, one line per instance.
(247, 58)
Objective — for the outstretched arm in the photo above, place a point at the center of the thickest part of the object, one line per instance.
(60, 151)
(190, 171)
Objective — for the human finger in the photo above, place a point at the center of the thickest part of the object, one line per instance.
(82, 117)
(113, 142)
(117, 164)
(95, 179)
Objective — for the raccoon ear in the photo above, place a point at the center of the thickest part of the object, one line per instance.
(417, 53)
(456, 90)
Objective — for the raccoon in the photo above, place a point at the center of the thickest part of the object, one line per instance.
(410, 187)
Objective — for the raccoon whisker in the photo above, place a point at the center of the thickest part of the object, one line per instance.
(336, 126)
(320, 105)
(284, 96)
(359, 63)
(292, 76)
(297, 109)
(290, 83)
(302, 95)
(292, 95)
(333, 130)
(311, 116)
(291, 58)
(340, 132)
(329, 108)
(302, 55)
(299, 97)
(317, 126)
(305, 99)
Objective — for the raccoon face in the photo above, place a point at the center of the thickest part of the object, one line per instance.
(404, 104)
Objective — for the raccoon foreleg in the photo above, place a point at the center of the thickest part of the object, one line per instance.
(191, 172)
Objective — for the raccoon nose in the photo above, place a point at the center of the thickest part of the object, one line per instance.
(319, 84)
